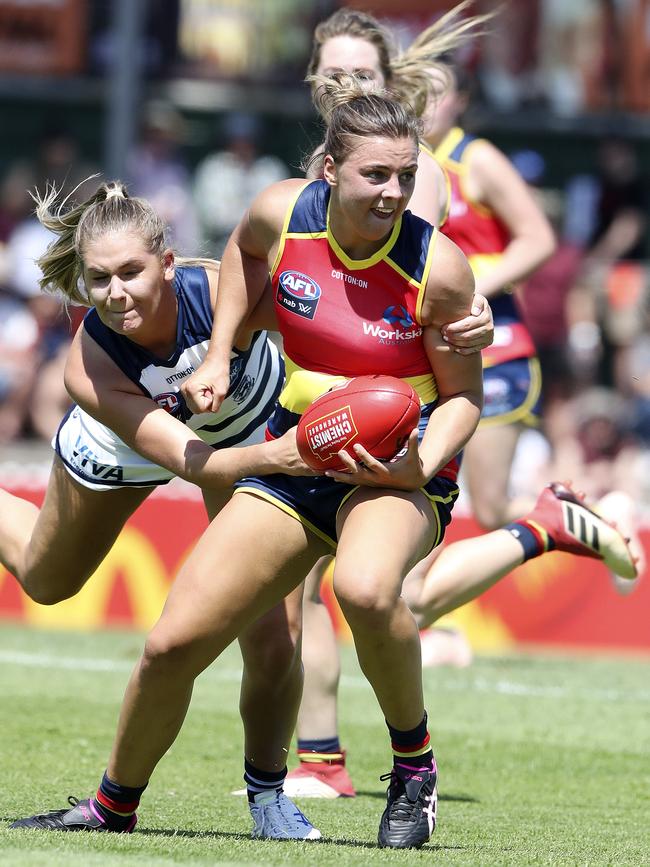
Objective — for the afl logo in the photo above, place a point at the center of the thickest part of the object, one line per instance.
(298, 293)
(169, 402)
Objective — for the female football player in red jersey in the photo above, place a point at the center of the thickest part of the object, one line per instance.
(357, 43)
(497, 223)
(363, 253)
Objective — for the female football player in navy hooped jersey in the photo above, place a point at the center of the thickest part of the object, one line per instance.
(131, 430)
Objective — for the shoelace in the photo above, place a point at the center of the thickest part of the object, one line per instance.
(283, 815)
(400, 807)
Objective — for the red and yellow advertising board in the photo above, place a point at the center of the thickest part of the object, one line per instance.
(556, 600)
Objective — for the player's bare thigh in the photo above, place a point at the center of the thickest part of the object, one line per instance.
(381, 537)
(75, 529)
(487, 461)
(249, 558)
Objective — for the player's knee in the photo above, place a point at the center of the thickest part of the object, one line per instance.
(489, 513)
(47, 592)
(272, 658)
(165, 656)
(366, 602)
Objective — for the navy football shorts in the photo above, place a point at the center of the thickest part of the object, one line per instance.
(511, 393)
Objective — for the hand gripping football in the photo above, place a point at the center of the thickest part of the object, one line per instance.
(378, 412)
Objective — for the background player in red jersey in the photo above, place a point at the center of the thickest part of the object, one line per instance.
(495, 220)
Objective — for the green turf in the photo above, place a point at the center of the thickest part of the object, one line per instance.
(543, 760)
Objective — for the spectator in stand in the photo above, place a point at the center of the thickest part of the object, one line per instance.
(227, 181)
(634, 371)
(606, 213)
(34, 329)
(591, 440)
(15, 203)
(60, 161)
(18, 354)
(159, 173)
(544, 294)
(18, 327)
(40, 381)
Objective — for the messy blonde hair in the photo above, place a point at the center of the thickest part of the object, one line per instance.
(407, 73)
(109, 209)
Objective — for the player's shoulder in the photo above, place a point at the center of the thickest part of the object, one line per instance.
(483, 154)
(450, 260)
(450, 284)
(270, 206)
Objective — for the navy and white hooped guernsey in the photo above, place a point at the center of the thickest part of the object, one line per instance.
(97, 458)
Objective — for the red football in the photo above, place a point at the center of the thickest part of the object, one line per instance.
(378, 412)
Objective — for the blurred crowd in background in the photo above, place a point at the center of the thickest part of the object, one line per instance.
(542, 63)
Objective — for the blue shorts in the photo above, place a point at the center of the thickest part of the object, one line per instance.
(511, 393)
(315, 501)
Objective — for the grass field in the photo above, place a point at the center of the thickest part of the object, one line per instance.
(543, 760)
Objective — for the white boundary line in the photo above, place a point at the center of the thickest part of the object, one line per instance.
(479, 684)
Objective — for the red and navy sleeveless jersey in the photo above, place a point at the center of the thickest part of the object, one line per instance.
(342, 317)
(482, 237)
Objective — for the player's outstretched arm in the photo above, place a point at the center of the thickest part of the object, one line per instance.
(243, 277)
(497, 184)
(96, 383)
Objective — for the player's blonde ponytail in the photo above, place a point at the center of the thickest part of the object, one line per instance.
(411, 69)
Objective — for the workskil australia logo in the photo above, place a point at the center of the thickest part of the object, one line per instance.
(396, 325)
